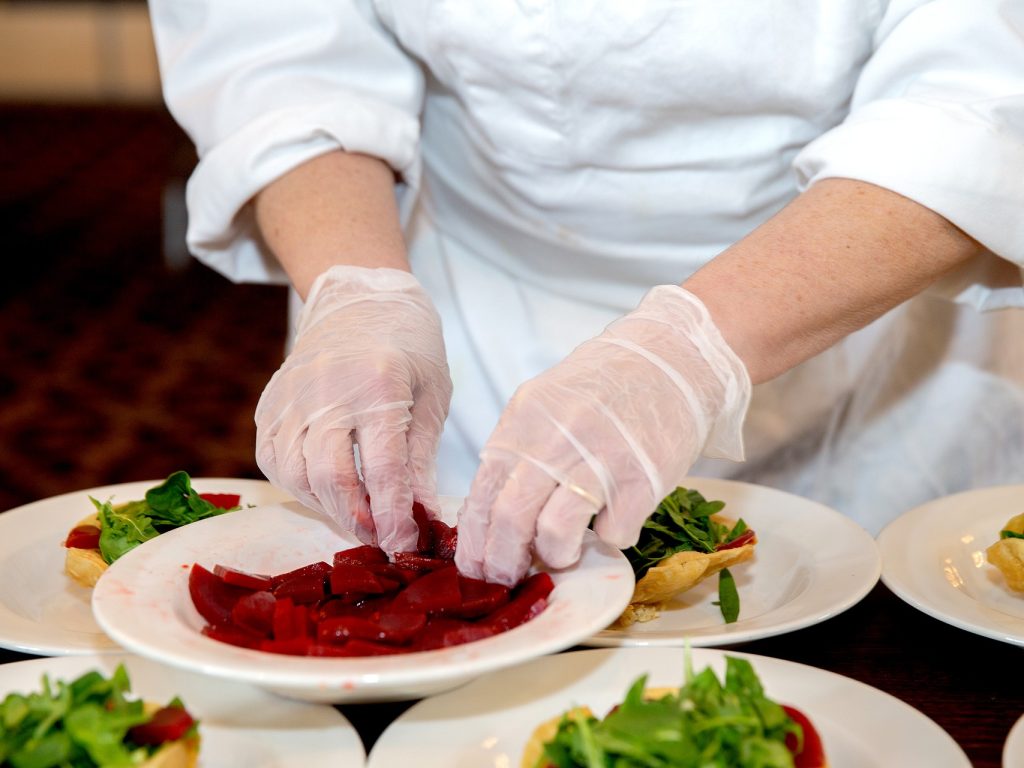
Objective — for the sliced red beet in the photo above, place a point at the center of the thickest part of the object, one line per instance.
(238, 578)
(211, 596)
(418, 562)
(479, 598)
(222, 500)
(255, 612)
(354, 578)
(320, 568)
(345, 628)
(166, 724)
(83, 537)
(393, 572)
(400, 626)
(434, 592)
(233, 635)
(444, 538)
(528, 600)
(306, 588)
(425, 541)
(365, 555)
(367, 648)
(468, 634)
(432, 635)
(293, 646)
(813, 753)
(747, 537)
(290, 620)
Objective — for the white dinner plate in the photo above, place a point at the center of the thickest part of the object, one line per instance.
(240, 726)
(487, 722)
(42, 610)
(810, 564)
(934, 558)
(1013, 750)
(143, 602)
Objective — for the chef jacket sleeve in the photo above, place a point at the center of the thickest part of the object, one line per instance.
(262, 87)
(937, 116)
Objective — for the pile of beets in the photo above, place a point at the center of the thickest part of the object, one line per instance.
(362, 603)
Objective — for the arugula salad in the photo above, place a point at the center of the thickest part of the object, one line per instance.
(88, 722)
(683, 523)
(170, 505)
(705, 724)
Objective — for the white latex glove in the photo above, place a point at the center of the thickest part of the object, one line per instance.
(610, 431)
(368, 368)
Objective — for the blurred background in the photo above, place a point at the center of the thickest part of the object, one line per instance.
(123, 358)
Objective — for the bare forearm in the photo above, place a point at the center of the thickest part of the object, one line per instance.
(338, 208)
(836, 258)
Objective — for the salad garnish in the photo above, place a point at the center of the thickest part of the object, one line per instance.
(87, 722)
(705, 724)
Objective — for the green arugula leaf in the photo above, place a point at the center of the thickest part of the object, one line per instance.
(169, 505)
(728, 596)
(123, 528)
(81, 724)
(706, 724)
(1010, 535)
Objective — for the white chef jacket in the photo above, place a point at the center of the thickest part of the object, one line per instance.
(560, 158)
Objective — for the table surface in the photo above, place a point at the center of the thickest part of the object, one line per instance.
(968, 684)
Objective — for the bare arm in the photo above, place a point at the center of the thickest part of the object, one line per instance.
(338, 208)
(836, 258)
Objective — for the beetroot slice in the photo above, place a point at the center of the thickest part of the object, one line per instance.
(444, 538)
(319, 568)
(416, 561)
(306, 588)
(255, 612)
(354, 578)
(166, 724)
(221, 500)
(468, 634)
(243, 578)
(528, 600)
(232, 635)
(211, 596)
(434, 592)
(425, 540)
(365, 555)
(479, 598)
(83, 537)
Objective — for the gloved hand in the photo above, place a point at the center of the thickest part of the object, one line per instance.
(609, 431)
(368, 368)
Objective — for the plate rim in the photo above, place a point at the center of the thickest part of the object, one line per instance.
(905, 587)
(857, 591)
(28, 515)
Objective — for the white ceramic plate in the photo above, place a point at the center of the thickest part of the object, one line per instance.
(811, 563)
(487, 722)
(1013, 750)
(240, 726)
(934, 558)
(144, 604)
(42, 611)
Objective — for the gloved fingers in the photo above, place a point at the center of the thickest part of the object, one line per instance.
(564, 519)
(283, 463)
(475, 516)
(423, 438)
(333, 478)
(384, 460)
(513, 522)
(633, 501)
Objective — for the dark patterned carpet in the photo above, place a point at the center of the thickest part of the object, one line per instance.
(116, 366)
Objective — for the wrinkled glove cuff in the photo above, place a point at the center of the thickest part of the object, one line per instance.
(342, 284)
(690, 318)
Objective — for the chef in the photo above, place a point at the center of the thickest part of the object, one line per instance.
(557, 255)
